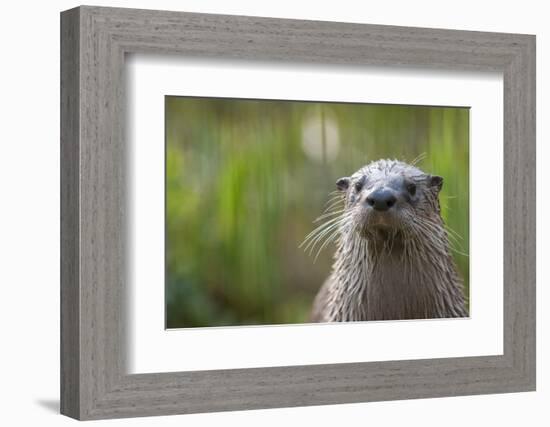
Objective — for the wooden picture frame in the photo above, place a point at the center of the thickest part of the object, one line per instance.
(94, 382)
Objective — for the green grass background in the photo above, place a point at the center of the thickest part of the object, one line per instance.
(242, 193)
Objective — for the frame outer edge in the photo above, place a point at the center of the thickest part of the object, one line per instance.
(70, 396)
(532, 184)
(527, 139)
(520, 216)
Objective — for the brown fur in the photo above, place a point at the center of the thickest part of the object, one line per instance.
(401, 270)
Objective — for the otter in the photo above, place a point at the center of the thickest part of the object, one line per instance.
(393, 258)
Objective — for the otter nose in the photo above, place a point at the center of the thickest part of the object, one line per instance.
(381, 199)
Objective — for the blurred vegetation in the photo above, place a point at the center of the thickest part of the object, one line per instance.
(246, 178)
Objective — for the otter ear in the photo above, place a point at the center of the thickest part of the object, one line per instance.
(436, 182)
(342, 184)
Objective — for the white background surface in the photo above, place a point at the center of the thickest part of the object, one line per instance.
(154, 349)
(29, 214)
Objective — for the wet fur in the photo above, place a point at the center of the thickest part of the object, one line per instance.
(403, 272)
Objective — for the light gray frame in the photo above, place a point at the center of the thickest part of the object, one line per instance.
(94, 41)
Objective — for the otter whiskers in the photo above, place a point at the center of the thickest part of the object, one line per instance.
(393, 251)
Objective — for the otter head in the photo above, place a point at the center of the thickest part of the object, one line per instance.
(388, 198)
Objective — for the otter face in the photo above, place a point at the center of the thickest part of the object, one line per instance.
(388, 196)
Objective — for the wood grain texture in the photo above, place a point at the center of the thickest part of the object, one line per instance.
(94, 382)
(70, 221)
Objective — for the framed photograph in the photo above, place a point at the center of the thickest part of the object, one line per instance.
(261, 213)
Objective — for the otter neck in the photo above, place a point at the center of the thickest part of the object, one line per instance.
(381, 278)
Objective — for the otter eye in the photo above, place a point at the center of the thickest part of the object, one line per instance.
(411, 188)
(359, 186)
